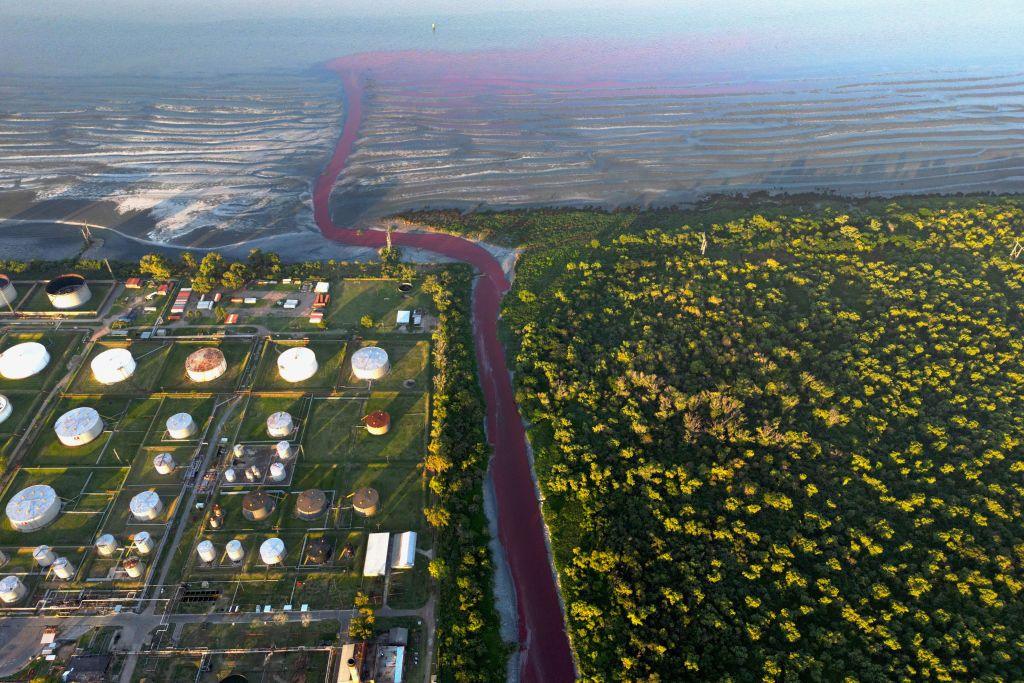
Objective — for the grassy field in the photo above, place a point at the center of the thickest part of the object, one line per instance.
(379, 299)
(173, 377)
(150, 358)
(260, 634)
(335, 432)
(329, 355)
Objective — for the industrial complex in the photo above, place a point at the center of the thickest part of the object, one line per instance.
(198, 498)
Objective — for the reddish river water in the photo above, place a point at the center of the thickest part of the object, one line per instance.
(545, 651)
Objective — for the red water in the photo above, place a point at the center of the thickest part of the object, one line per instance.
(545, 653)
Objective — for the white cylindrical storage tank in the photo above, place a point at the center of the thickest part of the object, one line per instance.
(206, 551)
(206, 365)
(181, 426)
(236, 553)
(44, 556)
(297, 364)
(283, 450)
(238, 450)
(113, 366)
(277, 472)
(272, 551)
(164, 463)
(144, 543)
(33, 508)
(12, 590)
(68, 291)
(106, 545)
(280, 425)
(370, 362)
(230, 475)
(63, 568)
(8, 294)
(5, 408)
(146, 506)
(134, 567)
(24, 360)
(78, 426)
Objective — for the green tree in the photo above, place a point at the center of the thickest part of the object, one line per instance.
(235, 276)
(156, 266)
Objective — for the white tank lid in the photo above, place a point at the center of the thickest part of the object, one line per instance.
(77, 421)
(31, 503)
(272, 546)
(144, 502)
(369, 358)
(41, 551)
(298, 356)
(106, 539)
(114, 363)
(179, 421)
(9, 583)
(233, 545)
(205, 546)
(23, 360)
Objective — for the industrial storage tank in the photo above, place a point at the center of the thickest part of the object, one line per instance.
(63, 569)
(297, 364)
(280, 425)
(146, 506)
(5, 408)
(311, 504)
(370, 362)
(257, 506)
(283, 450)
(134, 567)
(277, 472)
(106, 545)
(144, 543)
(235, 551)
(164, 463)
(318, 551)
(366, 501)
(230, 475)
(377, 423)
(181, 426)
(24, 360)
(12, 590)
(206, 365)
(44, 556)
(206, 551)
(272, 551)
(113, 366)
(68, 291)
(33, 508)
(8, 294)
(78, 426)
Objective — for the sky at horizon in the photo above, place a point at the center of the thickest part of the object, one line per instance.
(722, 38)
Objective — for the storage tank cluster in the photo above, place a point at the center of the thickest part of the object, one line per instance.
(146, 506)
(297, 364)
(206, 365)
(5, 408)
(280, 425)
(8, 294)
(113, 366)
(181, 426)
(164, 463)
(68, 291)
(21, 361)
(370, 362)
(78, 426)
(33, 508)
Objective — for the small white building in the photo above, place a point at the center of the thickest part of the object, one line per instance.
(376, 562)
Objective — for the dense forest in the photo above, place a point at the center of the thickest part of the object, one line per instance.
(780, 446)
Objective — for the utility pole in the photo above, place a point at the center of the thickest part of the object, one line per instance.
(703, 243)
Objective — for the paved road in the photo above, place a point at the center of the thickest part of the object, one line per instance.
(546, 654)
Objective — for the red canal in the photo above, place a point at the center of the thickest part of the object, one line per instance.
(545, 653)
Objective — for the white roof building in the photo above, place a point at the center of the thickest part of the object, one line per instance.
(403, 554)
(376, 562)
